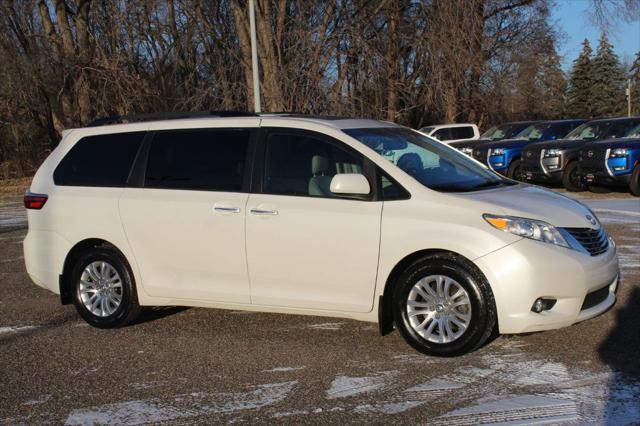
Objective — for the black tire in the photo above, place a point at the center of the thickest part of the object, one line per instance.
(515, 171)
(483, 310)
(127, 310)
(571, 179)
(634, 185)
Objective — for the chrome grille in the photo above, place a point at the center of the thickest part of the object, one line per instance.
(595, 241)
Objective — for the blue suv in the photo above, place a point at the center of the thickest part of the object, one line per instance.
(612, 162)
(504, 156)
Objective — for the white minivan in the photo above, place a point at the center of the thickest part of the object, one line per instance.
(336, 217)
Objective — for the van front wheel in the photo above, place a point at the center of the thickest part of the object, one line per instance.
(103, 289)
(442, 306)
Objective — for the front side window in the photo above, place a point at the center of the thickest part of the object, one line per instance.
(211, 160)
(101, 160)
(435, 166)
(589, 131)
(303, 164)
(620, 129)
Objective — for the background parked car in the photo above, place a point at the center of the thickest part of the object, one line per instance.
(452, 132)
(496, 133)
(503, 156)
(612, 162)
(558, 161)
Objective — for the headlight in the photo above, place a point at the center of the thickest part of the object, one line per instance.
(528, 228)
(553, 152)
(497, 151)
(466, 150)
(618, 152)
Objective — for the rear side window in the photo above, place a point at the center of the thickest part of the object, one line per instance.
(102, 160)
(213, 160)
(443, 134)
(462, 132)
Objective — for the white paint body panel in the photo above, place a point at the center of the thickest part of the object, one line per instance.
(316, 256)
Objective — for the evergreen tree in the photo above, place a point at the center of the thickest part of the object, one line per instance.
(634, 75)
(580, 81)
(607, 89)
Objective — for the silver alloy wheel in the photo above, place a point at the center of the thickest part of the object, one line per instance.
(100, 288)
(439, 309)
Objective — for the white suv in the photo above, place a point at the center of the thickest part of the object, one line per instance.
(337, 217)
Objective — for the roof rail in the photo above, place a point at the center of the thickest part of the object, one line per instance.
(137, 118)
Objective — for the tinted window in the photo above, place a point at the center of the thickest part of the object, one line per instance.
(619, 128)
(198, 159)
(103, 160)
(390, 189)
(461, 132)
(303, 164)
(442, 135)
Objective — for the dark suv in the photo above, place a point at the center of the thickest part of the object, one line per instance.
(558, 161)
(613, 162)
(496, 133)
(503, 156)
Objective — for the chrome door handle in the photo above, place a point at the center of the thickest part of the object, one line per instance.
(265, 212)
(227, 209)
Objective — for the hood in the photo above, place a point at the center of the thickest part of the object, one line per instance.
(560, 144)
(507, 143)
(616, 143)
(467, 144)
(533, 202)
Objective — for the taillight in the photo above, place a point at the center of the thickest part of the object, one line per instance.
(35, 201)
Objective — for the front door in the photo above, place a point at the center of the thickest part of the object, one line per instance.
(306, 247)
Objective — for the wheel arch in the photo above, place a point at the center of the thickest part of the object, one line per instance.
(66, 290)
(385, 313)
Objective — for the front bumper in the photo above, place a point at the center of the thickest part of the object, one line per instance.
(536, 174)
(599, 175)
(526, 270)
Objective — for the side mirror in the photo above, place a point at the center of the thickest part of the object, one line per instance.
(350, 184)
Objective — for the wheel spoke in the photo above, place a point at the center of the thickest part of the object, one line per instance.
(440, 286)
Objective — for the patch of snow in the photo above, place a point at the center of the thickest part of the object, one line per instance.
(344, 386)
(182, 406)
(37, 401)
(12, 215)
(389, 408)
(436, 384)
(15, 259)
(283, 369)
(16, 329)
(327, 326)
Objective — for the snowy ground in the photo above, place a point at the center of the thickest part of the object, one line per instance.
(209, 366)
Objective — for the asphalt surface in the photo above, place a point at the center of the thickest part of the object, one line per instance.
(194, 365)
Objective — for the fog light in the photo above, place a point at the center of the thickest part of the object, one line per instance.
(498, 164)
(542, 305)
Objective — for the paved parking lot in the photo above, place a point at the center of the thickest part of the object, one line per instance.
(203, 365)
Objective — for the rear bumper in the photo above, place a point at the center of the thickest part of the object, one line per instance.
(526, 270)
(44, 255)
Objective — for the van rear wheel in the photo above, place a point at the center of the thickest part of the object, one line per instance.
(103, 289)
(443, 306)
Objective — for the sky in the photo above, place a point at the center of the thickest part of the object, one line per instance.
(573, 19)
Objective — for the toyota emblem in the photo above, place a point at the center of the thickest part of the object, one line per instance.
(589, 154)
(528, 153)
(592, 220)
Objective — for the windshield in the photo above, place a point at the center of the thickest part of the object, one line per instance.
(505, 131)
(633, 133)
(534, 132)
(431, 163)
